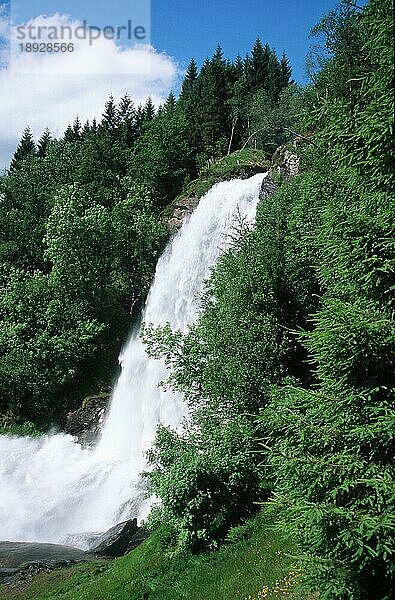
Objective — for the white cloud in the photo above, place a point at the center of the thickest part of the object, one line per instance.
(49, 90)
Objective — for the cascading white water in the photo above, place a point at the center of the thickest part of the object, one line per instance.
(50, 487)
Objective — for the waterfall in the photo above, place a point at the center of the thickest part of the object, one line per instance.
(52, 489)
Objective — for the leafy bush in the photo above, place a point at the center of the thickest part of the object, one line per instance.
(60, 332)
(205, 479)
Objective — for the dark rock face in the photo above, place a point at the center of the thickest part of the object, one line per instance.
(268, 187)
(85, 423)
(120, 539)
(181, 210)
(22, 560)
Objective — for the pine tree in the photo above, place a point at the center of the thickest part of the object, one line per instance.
(170, 104)
(218, 55)
(86, 130)
(188, 104)
(238, 68)
(110, 118)
(285, 72)
(77, 129)
(73, 132)
(273, 80)
(189, 80)
(127, 120)
(139, 119)
(126, 110)
(26, 148)
(257, 66)
(68, 136)
(238, 103)
(149, 110)
(43, 143)
(213, 93)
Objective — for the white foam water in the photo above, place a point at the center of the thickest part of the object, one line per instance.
(52, 489)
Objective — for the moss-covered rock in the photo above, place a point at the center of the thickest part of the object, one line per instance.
(238, 165)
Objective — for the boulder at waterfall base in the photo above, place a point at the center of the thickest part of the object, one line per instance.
(120, 539)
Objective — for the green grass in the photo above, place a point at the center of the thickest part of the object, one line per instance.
(246, 568)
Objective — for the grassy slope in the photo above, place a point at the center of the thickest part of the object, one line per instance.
(248, 568)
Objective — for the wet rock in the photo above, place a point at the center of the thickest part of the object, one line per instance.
(268, 187)
(16, 554)
(181, 210)
(22, 560)
(7, 575)
(120, 539)
(85, 423)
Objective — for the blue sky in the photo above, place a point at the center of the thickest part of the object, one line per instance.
(62, 85)
(184, 29)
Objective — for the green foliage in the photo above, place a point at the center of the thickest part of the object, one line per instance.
(61, 328)
(296, 331)
(239, 164)
(330, 446)
(162, 158)
(225, 367)
(204, 478)
(273, 124)
(355, 91)
(80, 227)
(288, 372)
(217, 102)
(26, 149)
(43, 144)
(10, 425)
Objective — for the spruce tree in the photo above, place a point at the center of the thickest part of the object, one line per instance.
(238, 104)
(126, 110)
(86, 130)
(26, 148)
(273, 81)
(110, 118)
(189, 80)
(188, 104)
(43, 143)
(69, 136)
(257, 66)
(77, 128)
(213, 93)
(127, 120)
(170, 104)
(285, 72)
(238, 68)
(149, 110)
(139, 119)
